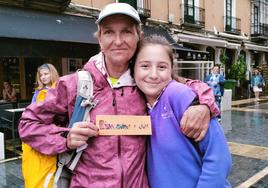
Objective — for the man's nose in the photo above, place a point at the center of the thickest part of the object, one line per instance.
(118, 39)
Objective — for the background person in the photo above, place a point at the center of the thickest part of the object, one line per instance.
(9, 92)
(215, 80)
(257, 83)
(46, 78)
(173, 160)
(113, 161)
(35, 165)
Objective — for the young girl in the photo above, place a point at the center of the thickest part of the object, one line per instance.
(46, 78)
(173, 159)
(37, 168)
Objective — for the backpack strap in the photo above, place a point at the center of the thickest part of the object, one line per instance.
(85, 90)
(84, 103)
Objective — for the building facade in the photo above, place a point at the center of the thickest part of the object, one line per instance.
(203, 33)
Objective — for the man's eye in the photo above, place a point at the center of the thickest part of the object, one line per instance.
(107, 32)
(127, 31)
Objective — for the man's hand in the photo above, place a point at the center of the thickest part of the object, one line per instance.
(80, 133)
(194, 122)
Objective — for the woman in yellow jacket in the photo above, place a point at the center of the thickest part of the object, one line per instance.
(37, 168)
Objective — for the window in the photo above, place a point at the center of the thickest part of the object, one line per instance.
(131, 2)
(189, 11)
(228, 21)
(256, 18)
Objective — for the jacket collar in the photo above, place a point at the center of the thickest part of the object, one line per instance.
(124, 80)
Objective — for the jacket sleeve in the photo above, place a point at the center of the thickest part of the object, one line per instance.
(217, 160)
(34, 96)
(205, 95)
(42, 124)
(222, 79)
(207, 78)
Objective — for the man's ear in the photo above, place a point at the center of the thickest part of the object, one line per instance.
(141, 35)
(100, 43)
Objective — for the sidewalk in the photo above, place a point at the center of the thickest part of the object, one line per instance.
(246, 130)
(246, 133)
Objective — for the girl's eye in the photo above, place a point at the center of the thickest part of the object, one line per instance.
(144, 66)
(162, 67)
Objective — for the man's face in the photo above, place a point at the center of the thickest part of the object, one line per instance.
(118, 39)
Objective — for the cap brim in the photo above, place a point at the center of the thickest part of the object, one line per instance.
(114, 13)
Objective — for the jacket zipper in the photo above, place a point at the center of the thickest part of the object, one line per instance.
(120, 161)
(122, 92)
(114, 100)
(119, 141)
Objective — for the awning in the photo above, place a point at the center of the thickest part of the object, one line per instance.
(38, 25)
(235, 46)
(256, 47)
(202, 40)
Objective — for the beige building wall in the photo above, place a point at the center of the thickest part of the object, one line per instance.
(162, 10)
(214, 15)
(93, 3)
(243, 12)
(159, 10)
(175, 10)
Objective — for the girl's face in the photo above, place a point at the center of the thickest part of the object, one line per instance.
(152, 71)
(6, 85)
(45, 77)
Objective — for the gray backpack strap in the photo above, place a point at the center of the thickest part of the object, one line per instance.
(85, 90)
(60, 174)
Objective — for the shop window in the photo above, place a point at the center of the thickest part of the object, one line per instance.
(9, 69)
(74, 64)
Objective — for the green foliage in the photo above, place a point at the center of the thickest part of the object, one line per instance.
(238, 69)
(224, 58)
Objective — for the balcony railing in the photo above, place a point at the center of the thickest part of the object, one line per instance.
(259, 30)
(232, 25)
(192, 16)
